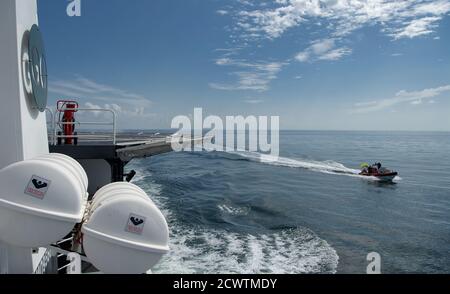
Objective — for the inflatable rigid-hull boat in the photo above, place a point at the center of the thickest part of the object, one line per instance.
(384, 177)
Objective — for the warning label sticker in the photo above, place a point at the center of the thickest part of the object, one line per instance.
(135, 224)
(37, 187)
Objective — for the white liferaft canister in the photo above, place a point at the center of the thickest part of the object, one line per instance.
(110, 190)
(40, 203)
(125, 233)
(69, 169)
(75, 165)
(117, 185)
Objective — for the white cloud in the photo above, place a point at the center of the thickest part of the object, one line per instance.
(303, 56)
(417, 27)
(322, 46)
(324, 49)
(222, 12)
(398, 18)
(251, 76)
(223, 61)
(273, 23)
(414, 98)
(93, 106)
(334, 19)
(432, 7)
(112, 106)
(254, 101)
(336, 54)
(101, 96)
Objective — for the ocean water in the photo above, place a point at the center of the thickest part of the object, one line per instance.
(308, 212)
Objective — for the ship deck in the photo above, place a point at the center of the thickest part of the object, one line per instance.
(127, 145)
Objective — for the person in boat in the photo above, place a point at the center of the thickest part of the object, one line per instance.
(375, 168)
(371, 169)
(365, 168)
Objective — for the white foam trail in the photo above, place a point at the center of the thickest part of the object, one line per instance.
(233, 210)
(207, 251)
(326, 167)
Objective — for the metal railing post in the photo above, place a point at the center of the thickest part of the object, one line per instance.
(52, 126)
(114, 127)
(113, 137)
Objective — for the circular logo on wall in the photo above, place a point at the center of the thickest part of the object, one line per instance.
(38, 68)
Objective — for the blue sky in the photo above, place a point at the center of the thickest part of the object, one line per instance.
(332, 65)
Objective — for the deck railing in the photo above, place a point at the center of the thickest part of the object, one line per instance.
(57, 125)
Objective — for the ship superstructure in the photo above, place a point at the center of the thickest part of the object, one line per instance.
(66, 204)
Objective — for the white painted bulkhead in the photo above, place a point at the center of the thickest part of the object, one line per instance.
(23, 130)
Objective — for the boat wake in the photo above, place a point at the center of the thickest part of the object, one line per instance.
(231, 210)
(326, 167)
(207, 251)
(204, 250)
